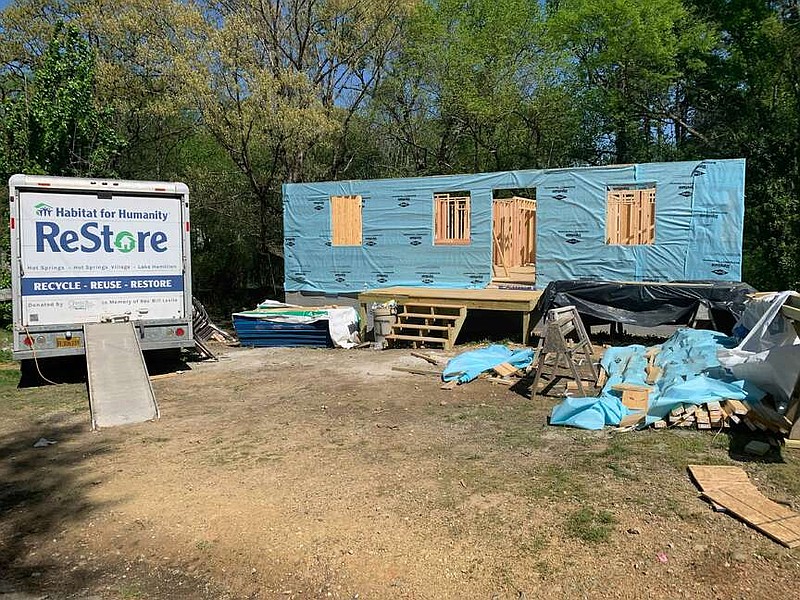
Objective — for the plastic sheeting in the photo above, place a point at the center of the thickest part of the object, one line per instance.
(646, 304)
(468, 365)
(691, 374)
(589, 413)
(698, 229)
(769, 353)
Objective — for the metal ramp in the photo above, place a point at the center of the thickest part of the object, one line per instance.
(119, 386)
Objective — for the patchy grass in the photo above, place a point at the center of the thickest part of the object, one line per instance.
(589, 525)
(130, 591)
(70, 398)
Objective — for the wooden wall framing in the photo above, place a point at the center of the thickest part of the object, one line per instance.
(451, 217)
(346, 220)
(630, 216)
(514, 232)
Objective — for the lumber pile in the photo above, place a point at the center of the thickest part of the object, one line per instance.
(725, 414)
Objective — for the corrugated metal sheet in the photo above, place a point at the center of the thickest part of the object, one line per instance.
(260, 333)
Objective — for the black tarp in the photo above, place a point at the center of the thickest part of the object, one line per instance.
(646, 304)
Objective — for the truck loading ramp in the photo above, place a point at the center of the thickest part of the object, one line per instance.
(119, 386)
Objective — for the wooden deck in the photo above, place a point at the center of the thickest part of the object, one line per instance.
(522, 301)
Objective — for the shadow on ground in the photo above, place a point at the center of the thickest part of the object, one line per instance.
(43, 491)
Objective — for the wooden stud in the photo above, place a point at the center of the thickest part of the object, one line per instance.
(451, 219)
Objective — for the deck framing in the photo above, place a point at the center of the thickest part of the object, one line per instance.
(521, 301)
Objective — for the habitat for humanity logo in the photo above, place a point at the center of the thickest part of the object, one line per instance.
(125, 241)
(43, 210)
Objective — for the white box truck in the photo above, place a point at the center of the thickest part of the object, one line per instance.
(94, 250)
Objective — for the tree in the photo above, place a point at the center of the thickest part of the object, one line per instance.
(632, 59)
(278, 84)
(748, 102)
(52, 123)
(474, 89)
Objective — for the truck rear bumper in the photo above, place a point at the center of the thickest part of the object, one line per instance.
(67, 340)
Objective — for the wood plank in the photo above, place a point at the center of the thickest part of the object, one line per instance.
(440, 317)
(434, 360)
(739, 408)
(636, 399)
(632, 419)
(505, 369)
(419, 327)
(653, 374)
(502, 381)
(415, 338)
(417, 371)
(602, 377)
(621, 387)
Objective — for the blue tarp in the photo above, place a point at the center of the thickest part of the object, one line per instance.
(468, 365)
(589, 413)
(698, 229)
(691, 374)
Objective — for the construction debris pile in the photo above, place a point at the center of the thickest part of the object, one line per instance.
(497, 363)
(641, 386)
(698, 378)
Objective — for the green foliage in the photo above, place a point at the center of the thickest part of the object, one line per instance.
(53, 125)
(633, 59)
(236, 100)
(473, 89)
(749, 102)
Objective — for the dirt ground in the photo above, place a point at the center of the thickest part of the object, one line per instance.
(296, 473)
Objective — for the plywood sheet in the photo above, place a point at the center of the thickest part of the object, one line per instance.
(730, 488)
(346, 221)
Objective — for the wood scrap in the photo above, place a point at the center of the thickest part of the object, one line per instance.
(434, 360)
(602, 376)
(653, 374)
(632, 420)
(635, 397)
(501, 380)
(738, 406)
(165, 375)
(417, 371)
(505, 369)
(449, 385)
(651, 353)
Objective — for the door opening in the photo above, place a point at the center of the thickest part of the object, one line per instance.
(514, 237)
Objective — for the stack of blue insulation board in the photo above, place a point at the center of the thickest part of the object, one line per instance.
(272, 328)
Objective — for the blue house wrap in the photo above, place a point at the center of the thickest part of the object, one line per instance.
(699, 213)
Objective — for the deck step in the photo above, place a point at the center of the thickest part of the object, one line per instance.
(416, 338)
(421, 327)
(428, 316)
(429, 305)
